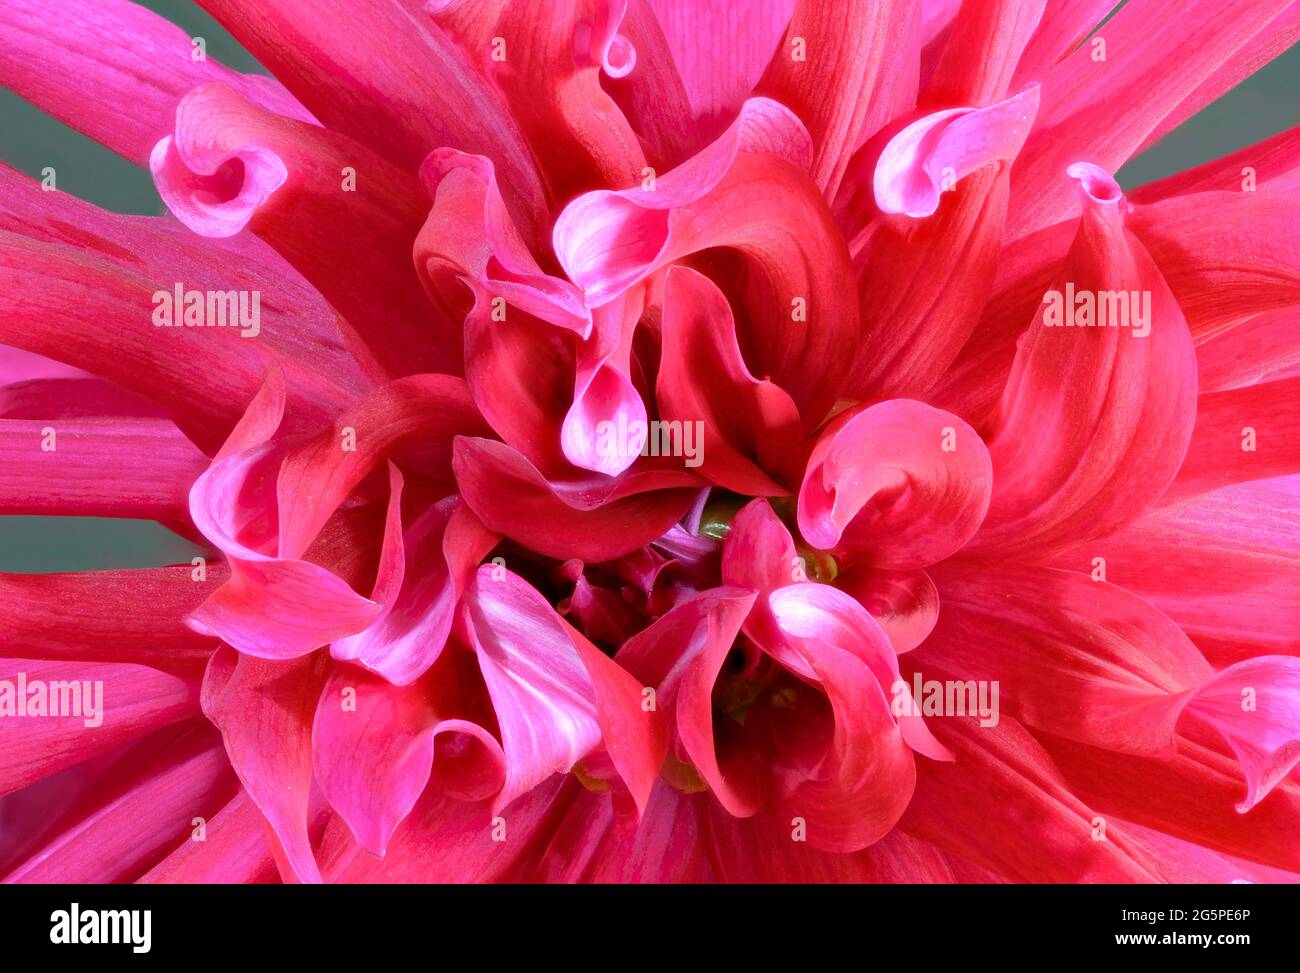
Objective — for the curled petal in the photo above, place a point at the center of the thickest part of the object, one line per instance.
(387, 76)
(932, 154)
(758, 551)
(440, 550)
(341, 215)
(728, 195)
(752, 427)
(265, 509)
(607, 241)
(904, 603)
(1255, 704)
(214, 193)
(681, 655)
(114, 70)
(595, 519)
(470, 232)
(604, 396)
(807, 617)
(376, 746)
(897, 485)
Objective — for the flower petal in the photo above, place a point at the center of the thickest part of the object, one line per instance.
(264, 711)
(752, 430)
(594, 520)
(1094, 420)
(376, 746)
(725, 196)
(114, 70)
(896, 485)
(128, 701)
(557, 698)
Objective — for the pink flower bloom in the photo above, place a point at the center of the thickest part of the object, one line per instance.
(656, 440)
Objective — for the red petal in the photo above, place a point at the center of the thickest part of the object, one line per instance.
(1094, 420)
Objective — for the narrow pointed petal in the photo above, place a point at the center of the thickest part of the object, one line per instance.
(135, 812)
(983, 51)
(1103, 107)
(120, 616)
(1108, 669)
(832, 70)
(1244, 434)
(1242, 539)
(1194, 796)
(234, 850)
(128, 702)
(264, 711)
(90, 296)
(1004, 806)
(1275, 161)
(96, 467)
(1064, 25)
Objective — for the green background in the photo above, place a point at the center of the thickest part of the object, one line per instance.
(1265, 104)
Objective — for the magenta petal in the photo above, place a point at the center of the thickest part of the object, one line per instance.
(933, 154)
(897, 485)
(441, 549)
(114, 70)
(556, 697)
(264, 711)
(375, 747)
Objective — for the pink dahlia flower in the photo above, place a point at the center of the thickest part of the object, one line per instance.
(656, 440)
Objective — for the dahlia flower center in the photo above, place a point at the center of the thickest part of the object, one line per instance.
(722, 508)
